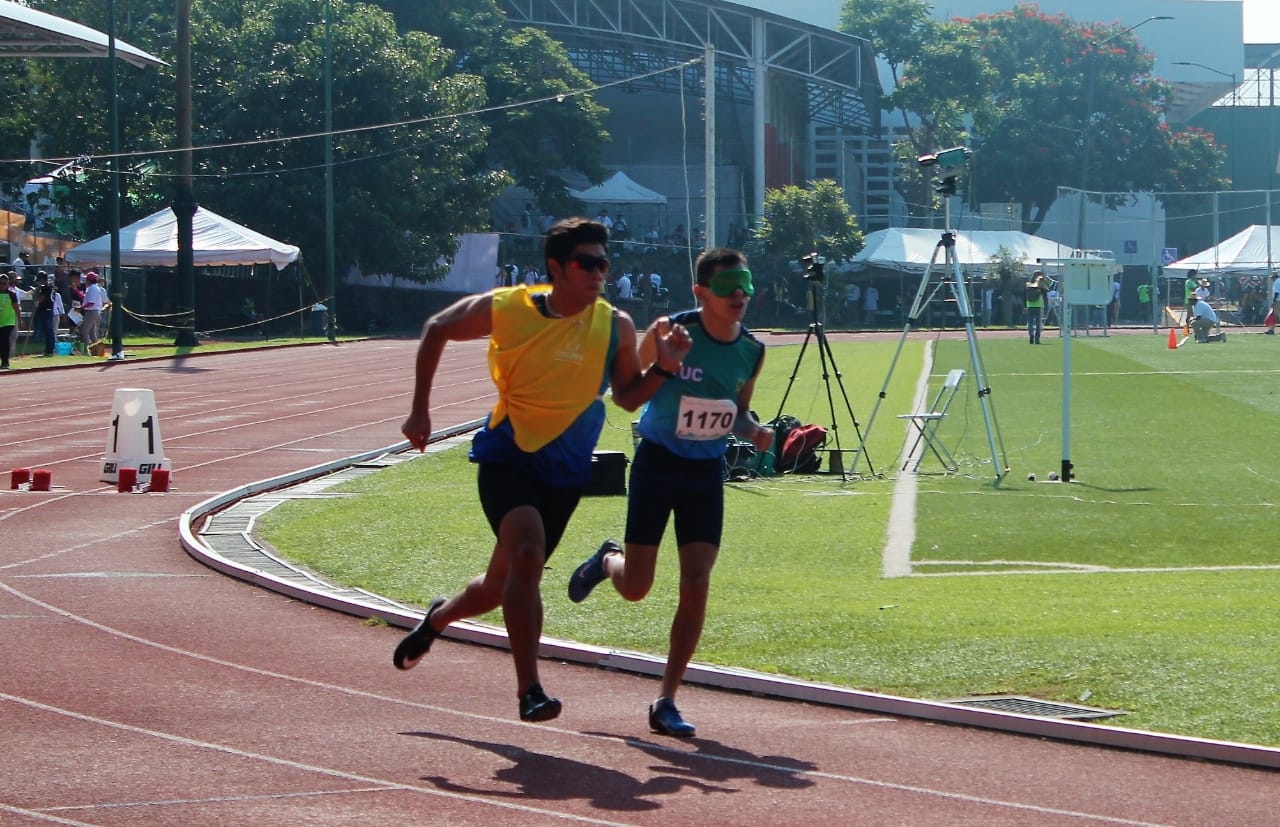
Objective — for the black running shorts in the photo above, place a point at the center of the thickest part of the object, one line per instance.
(504, 489)
(662, 484)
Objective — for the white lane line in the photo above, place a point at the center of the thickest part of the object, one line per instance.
(36, 815)
(382, 783)
(360, 693)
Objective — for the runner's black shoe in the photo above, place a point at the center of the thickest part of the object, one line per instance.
(536, 706)
(665, 719)
(591, 573)
(418, 642)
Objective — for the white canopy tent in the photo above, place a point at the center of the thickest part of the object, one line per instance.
(909, 250)
(1251, 252)
(620, 190)
(27, 32)
(218, 241)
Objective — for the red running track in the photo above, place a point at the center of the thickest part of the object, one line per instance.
(141, 688)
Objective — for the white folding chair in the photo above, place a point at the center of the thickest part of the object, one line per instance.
(926, 423)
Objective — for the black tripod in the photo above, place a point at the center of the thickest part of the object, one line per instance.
(825, 357)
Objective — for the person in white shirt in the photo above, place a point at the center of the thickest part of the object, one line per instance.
(624, 286)
(1203, 319)
(852, 300)
(1275, 305)
(95, 301)
(871, 303)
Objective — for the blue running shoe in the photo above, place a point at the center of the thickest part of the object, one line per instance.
(665, 719)
(589, 575)
(418, 642)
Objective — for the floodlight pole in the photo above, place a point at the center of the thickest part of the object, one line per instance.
(1091, 72)
(184, 201)
(709, 90)
(331, 286)
(116, 284)
(1235, 103)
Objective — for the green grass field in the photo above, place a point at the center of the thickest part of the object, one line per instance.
(1148, 585)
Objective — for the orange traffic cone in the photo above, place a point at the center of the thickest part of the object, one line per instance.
(1173, 338)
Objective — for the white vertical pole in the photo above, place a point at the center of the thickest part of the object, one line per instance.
(1065, 471)
(1156, 247)
(760, 76)
(709, 110)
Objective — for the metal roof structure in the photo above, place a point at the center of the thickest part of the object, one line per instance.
(613, 40)
(27, 32)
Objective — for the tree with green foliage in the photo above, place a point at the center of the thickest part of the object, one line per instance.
(408, 153)
(542, 124)
(1022, 79)
(478, 106)
(1007, 271)
(798, 221)
(813, 218)
(937, 75)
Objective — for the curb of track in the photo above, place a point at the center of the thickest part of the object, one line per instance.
(224, 541)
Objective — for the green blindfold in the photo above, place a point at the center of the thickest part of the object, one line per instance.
(725, 282)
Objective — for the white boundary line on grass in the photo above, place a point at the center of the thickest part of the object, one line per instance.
(900, 534)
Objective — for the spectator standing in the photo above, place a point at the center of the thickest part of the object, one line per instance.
(8, 319)
(20, 296)
(43, 321)
(624, 286)
(95, 301)
(1115, 300)
(20, 262)
(678, 469)
(1037, 288)
(870, 304)
(1275, 304)
(852, 303)
(552, 353)
(1144, 301)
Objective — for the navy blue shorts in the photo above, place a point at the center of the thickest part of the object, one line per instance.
(503, 489)
(662, 484)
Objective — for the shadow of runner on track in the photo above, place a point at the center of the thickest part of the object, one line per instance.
(536, 775)
(714, 761)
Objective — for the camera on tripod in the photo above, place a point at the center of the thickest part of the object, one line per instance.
(813, 265)
(949, 163)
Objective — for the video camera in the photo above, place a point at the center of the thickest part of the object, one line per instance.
(813, 265)
(949, 163)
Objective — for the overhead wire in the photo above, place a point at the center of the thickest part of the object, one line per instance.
(558, 97)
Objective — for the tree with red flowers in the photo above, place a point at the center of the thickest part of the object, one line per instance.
(1024, 90)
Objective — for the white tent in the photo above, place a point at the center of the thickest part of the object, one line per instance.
(218, 241)
(34, 33)
(620, 190)
(909, 250)
(1246, 253)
